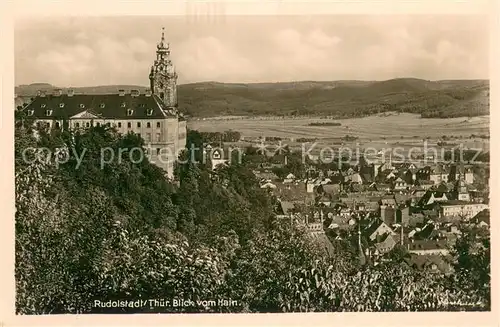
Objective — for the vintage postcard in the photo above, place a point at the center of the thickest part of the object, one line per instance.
(209, 160)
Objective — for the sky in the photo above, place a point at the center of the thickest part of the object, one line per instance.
(87, 51)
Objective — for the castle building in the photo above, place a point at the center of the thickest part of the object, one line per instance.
(152, 115)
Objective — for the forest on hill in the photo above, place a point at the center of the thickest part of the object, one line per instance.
(339, 99)
(123, 231)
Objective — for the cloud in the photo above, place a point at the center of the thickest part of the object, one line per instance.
(89, 51)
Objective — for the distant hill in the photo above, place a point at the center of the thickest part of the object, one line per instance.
(340, 99)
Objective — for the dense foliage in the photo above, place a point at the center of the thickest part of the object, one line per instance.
(122, 231)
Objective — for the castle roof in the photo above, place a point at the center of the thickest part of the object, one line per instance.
(104, 106)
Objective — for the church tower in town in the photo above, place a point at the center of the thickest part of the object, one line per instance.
(163, 78)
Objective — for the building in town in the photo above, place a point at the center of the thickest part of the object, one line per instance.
(152, 114)
(460, 209)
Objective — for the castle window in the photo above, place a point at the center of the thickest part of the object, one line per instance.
(108, 124)
(148, 137)
(129, 125)
(77, 125)
(82, 105)
(61, 105)
(139, 134)
(30, 112)
(102, 105)
(123, 105)
(87, 124)
(119, 124)
(38, 125)
(48, 112)
(43, 105)
(149, 112)
(158, 137)
(158, 151)
(138, 124)
(57, 124)
(148, 125)
(158, 125)
(98, 124)
(130, 112)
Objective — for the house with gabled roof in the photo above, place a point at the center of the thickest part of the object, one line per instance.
(431, 197)
(377, 228)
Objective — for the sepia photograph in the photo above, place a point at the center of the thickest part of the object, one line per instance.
(251, 163)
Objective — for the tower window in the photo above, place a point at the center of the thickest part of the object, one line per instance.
(61, 105)
(130, 112)
(149, 112)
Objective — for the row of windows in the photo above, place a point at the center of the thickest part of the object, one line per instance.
(88, 124)
(49, 112)
(77, 125)
(119, 124)
(102, 105)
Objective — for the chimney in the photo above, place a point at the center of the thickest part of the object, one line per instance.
(148, 92)
(134, 93)
(71, 92)
(121, 92)
(57, 92)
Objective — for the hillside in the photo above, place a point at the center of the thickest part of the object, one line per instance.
(341, 99)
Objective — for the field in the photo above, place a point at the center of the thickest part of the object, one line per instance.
(366, 128)
(393, 129)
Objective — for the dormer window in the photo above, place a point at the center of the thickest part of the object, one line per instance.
(82, 105)
(61, 105)
(123, 105)
(48, 112)
(149, 112)
(102, 105)
(43, 105)
(130, 112)
(30, 112)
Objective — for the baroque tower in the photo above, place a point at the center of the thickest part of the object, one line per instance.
(163, 78)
